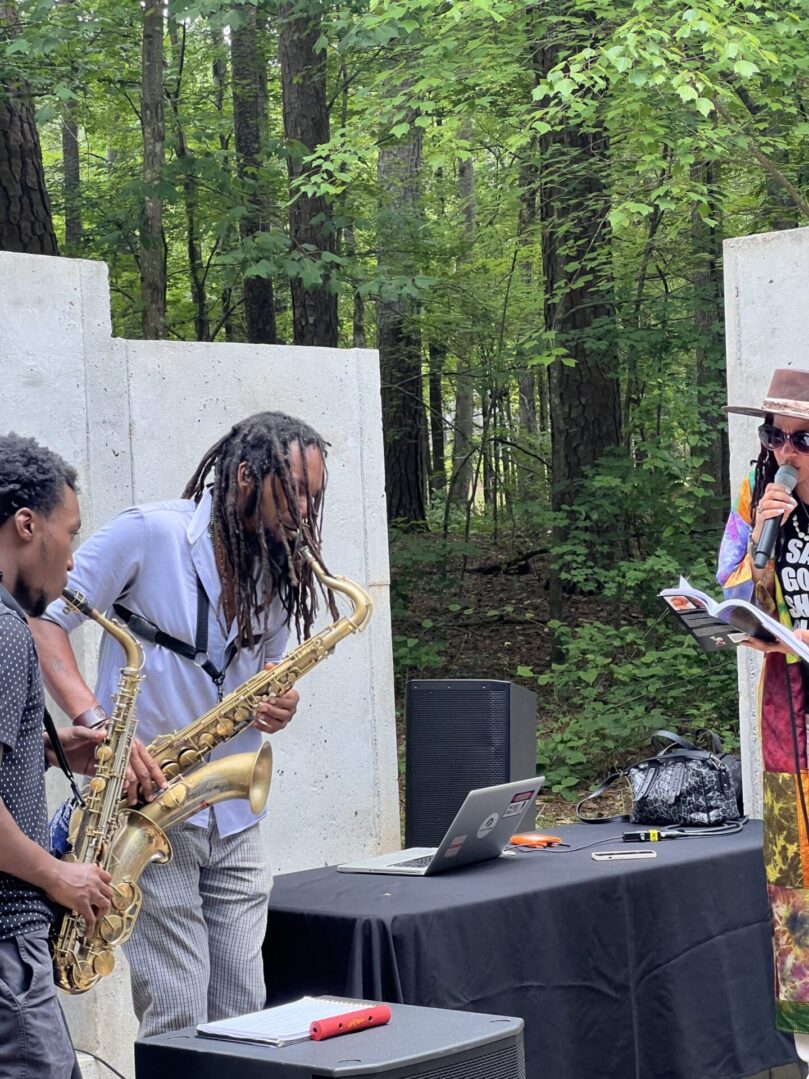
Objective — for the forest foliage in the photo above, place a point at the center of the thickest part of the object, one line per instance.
(522, 206)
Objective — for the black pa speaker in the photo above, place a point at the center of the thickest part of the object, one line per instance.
(461, 734)
(418, 1043)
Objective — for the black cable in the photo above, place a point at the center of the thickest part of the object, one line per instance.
(700, 832)
(87, 1053)
(696, 832)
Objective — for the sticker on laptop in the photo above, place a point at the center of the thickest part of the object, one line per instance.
(519, 803)
(455, 846)
(488, 824)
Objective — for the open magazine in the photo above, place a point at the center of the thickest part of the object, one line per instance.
(722, 625)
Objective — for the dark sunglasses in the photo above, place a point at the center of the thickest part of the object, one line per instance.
(773, 438)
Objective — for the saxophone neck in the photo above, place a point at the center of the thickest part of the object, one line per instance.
(134, 653)
(360, 600)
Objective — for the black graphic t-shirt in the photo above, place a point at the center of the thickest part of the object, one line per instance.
(793, 563)
(23, 908)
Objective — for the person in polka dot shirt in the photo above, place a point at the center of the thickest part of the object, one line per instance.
(39, 520)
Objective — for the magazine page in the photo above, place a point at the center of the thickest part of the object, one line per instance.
(736, 614)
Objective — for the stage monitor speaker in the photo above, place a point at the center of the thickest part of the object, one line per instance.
(418, 1043)
(461, 734)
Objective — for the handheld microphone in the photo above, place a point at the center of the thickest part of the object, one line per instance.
(787, 476)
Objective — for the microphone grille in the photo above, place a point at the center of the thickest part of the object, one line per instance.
(787, 476)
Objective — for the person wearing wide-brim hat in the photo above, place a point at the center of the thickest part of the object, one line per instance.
(781, 587)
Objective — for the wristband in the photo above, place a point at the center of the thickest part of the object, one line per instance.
(91, 717)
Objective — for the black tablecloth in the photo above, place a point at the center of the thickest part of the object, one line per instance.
(656, 969)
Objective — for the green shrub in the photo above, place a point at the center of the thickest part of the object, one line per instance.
(617, 685)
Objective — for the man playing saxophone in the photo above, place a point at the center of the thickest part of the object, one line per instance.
(209, 583)
(39, 519)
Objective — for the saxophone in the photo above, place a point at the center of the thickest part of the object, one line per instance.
(194, 785)
(179, 753)
(123, 840)
(93, 825)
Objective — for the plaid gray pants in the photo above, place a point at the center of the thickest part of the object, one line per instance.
(195, 954)
(34, 1040)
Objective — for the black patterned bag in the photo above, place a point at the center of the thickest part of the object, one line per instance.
(682, 785)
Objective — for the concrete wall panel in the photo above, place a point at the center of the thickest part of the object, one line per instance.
(766, 307)
(135, 418)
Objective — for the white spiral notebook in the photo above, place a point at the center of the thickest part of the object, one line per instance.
(283, 1024)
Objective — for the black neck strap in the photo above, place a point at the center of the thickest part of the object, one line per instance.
(196, 653)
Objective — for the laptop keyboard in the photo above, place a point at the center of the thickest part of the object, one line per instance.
(417, 863)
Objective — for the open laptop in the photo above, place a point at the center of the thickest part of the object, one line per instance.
(483, 825)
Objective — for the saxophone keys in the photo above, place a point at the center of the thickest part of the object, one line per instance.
(97, 784)
(103, 963)
(103, 753)
(110, 930)
(224, 728)
(170, 770)
(206, 741)
(188, 758)
(175, 796)
(123, 895)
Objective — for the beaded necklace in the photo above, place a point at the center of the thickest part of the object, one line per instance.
(798, 530)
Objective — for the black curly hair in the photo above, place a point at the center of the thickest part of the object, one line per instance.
(31, 475)
(264, 442)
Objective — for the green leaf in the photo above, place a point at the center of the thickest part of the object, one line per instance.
(46, 112)
(745, 69)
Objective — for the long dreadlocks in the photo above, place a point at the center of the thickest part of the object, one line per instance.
(766, 467)
(264, 443)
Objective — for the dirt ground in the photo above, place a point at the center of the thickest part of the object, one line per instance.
(500, 626)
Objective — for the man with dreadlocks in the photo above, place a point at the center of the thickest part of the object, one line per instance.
(217, 570)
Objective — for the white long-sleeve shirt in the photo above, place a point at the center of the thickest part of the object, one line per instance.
(148, 559)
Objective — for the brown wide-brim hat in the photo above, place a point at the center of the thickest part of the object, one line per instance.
(788, 395)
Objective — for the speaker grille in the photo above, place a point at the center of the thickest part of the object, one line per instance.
(505, 1062)
(458, 738)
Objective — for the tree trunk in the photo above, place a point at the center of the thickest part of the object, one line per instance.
(72, 179)
(196, 266)
(219, 77)
(584, 397)
(26, 223)
(152, 251)
(526, 230)
(306, 126)
(248, 123)
(438, 471)
(460, 490)
(398, 336)
(710, 348)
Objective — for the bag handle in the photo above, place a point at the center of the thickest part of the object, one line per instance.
(622, 818)
(670, 736)
(717, 746)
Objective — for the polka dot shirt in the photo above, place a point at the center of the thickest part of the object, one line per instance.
(23, 908)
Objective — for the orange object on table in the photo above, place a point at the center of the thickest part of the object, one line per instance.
(375, 1015)
(534, 839)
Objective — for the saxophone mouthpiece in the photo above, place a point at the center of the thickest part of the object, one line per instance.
(75, 601)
